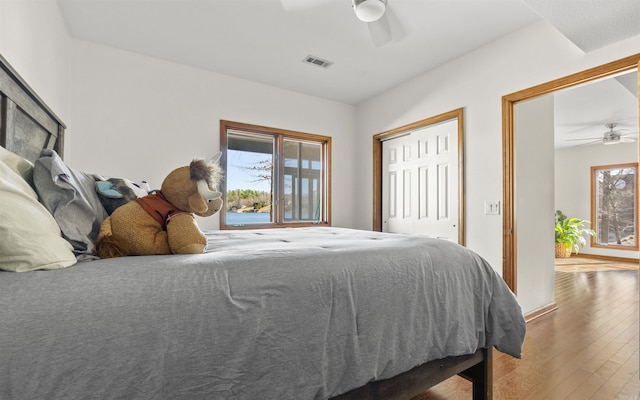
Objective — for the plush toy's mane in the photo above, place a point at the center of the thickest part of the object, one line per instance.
(201, 170)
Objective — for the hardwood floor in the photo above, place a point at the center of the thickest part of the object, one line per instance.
(585, 264)
(587, 349)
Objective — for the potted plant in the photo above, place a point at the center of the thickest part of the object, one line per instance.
(570, 234)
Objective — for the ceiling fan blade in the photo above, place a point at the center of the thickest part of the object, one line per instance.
(627, 140)
(387, 29)
(577, 128)
(589, 138)
(296, 5)
(380, 31)
(590, 143)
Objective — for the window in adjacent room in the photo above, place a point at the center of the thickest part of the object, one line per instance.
(273, 177)
(614, 213)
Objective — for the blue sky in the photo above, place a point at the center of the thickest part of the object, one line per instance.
(239, 178)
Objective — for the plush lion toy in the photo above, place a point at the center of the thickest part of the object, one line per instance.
(163, 222)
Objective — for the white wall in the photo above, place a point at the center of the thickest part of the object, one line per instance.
(477, 82)
(573, 184)
(141, 117)
(34, 40)
(534, 201)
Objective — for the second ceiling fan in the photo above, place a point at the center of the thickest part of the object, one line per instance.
(609, 137)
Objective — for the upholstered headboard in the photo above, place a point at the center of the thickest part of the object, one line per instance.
(27, 125)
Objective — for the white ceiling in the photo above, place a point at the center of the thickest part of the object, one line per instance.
(260, 41)
(582, 112)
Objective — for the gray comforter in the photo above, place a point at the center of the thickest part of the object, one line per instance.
(299, 314)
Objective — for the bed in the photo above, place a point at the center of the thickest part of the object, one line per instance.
(304, 313)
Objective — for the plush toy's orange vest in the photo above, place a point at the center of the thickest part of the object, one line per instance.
(159, 208)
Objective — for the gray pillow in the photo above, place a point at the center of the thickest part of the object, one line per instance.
(70, 196)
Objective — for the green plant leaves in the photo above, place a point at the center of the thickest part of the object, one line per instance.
(570, 231)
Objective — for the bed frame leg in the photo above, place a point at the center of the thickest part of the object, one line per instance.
(481, 375)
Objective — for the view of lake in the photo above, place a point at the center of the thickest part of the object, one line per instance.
(240, 218)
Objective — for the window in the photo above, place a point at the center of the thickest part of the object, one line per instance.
(273, 177)
(614, 213)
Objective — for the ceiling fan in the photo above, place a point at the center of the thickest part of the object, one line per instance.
(609, 137)
(383, 25)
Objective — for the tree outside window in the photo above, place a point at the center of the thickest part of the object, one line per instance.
(614, 206)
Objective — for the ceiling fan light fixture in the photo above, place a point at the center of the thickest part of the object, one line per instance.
(369, 10)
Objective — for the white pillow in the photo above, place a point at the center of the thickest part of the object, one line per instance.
(23, 167)
(31, 238)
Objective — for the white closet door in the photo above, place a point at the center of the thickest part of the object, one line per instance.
(420, 182)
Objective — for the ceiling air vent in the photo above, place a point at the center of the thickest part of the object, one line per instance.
(317, 61)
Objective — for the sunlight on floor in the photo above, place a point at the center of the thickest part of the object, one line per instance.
(585, 264)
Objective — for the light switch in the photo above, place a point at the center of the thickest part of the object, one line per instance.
(492, 208)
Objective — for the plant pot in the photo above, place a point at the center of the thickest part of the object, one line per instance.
(563, 251)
